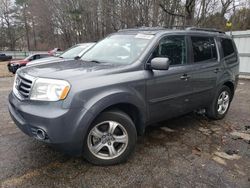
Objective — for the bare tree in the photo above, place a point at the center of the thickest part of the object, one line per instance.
(47, 24)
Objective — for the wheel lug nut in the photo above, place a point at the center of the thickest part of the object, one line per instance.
(109, 143)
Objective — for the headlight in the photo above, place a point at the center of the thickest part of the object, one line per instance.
(49, 90)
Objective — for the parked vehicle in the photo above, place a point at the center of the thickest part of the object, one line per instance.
(74, 52)
(96, 106)
(14, 65)
(4, 57)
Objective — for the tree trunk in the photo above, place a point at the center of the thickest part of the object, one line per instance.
(26, 27)
(34, 34)
(189, 12)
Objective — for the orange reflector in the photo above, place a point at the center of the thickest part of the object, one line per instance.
(64, 93)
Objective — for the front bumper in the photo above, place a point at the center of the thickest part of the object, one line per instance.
(62, 127)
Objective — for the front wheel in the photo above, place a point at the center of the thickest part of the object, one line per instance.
(221, 103)
(110, 139)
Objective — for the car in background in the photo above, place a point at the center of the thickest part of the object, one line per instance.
(4, 57)
(14, 65)
(75, 52)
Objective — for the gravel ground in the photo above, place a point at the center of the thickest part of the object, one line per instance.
(4, 70)
(189, 151)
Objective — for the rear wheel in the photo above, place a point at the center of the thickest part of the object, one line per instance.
(220, 105)
(110, 139)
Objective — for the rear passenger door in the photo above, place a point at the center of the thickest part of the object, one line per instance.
(205, 69)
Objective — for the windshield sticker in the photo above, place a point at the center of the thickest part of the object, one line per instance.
(144, 36)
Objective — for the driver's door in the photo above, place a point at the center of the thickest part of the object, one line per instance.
(168, 91)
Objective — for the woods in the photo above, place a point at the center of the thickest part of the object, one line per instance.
(45, 24)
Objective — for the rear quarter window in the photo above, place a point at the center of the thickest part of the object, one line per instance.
(227, 47)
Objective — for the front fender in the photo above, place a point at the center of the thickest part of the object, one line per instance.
(104, 100)
(98, 103)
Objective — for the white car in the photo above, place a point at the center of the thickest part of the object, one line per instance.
(74, 52)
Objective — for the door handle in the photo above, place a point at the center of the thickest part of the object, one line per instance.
(185, 77)
(217, 70)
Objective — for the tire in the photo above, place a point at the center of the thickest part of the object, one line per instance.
(113, 141)
(215, 111)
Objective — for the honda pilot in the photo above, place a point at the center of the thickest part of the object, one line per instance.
(96, 106)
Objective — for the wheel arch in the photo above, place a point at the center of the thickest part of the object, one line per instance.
(133, 112)
(231, 86)
(124, 101)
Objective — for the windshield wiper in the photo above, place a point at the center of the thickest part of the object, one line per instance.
(95, 61)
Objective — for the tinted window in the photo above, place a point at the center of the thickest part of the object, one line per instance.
(36, 57)
(204, 48)
(227, 47)
(172, 47)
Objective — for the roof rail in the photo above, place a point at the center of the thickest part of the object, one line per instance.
(205, 29)
(143, 29)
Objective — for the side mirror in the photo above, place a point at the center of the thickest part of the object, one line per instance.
(160, 63)
(77, 58)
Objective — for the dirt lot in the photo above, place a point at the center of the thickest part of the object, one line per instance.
(190, 151)
(4, 70)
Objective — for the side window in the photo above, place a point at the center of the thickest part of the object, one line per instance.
(204, 49)
(33, 57)
(37, 57)
(172, 47)
(227, 47)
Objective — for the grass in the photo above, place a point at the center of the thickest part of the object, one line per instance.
(4, 72)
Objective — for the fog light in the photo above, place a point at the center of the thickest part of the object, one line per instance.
(41, 134)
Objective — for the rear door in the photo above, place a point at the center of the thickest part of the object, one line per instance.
(205, 69)
(168, 91)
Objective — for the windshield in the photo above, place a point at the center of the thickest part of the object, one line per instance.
(123, 49)
(75, 51)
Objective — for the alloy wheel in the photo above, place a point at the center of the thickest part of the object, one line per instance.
(107, 140)
(223, 102)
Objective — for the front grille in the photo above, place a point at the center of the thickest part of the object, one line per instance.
(23, 86)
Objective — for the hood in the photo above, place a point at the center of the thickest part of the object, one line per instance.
(67, 69)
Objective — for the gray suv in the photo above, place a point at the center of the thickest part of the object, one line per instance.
(97, 106)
